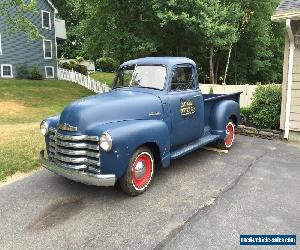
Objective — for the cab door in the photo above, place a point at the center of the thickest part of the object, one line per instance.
(186, 105)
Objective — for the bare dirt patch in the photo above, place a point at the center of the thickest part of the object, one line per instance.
(11, 108)
(13, 132)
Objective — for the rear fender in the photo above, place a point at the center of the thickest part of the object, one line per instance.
(127, 136)
(220, 114)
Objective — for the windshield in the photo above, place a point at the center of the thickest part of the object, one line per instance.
(145, 76)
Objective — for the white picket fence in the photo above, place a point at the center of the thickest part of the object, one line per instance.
(85, 81)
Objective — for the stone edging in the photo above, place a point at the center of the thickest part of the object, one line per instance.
(263, 133)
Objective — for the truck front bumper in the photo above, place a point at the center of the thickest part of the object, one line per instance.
(78, 176)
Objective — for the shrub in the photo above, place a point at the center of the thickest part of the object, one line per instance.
(81, 69)
(266, 106)
(73, 65)
(65, 65)
(79, 59)
(23, 72)
(246, 116)
(106, 64)
(36, 74)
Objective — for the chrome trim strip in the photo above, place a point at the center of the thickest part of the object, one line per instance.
(81, 145)
(154, 114)
(74, 137)
(75, 167)
(81, 160)
(74, 152)
(79, 176)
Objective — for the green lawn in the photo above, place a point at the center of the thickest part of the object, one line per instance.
(23, 104)
(107, 78)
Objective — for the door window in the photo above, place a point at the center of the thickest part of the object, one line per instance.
(182, 78)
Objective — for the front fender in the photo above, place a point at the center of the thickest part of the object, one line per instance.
(127, 136)
(220, 114)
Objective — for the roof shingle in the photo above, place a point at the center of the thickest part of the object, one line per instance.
(288, 5)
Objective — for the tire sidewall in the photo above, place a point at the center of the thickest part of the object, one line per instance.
(230, 122)
(132, 164)
(126, 181)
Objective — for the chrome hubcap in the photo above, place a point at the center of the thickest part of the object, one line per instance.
(140, 170)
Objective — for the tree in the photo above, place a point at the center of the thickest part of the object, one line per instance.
(258, 55)
(16, 13)
(74, 13)
(210, 21)
(219, 23)
(232, 39)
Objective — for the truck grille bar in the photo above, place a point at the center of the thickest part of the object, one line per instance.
(76, 152)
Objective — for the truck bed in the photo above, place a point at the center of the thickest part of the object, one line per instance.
(216, 97)
(211, 99)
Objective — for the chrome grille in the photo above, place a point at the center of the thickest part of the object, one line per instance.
(77, 152)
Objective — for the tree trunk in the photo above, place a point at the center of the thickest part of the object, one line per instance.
(217, 67)
(227, 65)
(211, 65)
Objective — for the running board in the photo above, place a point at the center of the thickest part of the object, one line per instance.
(187, 148)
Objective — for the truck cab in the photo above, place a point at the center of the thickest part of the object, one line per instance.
(154, 113)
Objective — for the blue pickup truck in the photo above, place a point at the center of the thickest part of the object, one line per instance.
(154, 113)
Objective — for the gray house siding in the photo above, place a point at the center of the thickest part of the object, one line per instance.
(18, 50)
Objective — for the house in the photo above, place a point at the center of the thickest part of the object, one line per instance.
(288, 12)
(17, 50)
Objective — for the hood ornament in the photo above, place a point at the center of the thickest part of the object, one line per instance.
(67, 127)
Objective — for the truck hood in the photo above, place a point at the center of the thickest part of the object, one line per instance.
(114, 106)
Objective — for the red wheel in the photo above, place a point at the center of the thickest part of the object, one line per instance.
(230, 135)
(139, 173)
(227, 143)
(142, 170)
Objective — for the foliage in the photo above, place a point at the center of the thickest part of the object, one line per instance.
(208, 31)
(258, 55)
(265, 108)
(81, 69)
(16, 13)
(211, 90)
(23, 72)
(79, 59)
(36, 73)
(211, 20)
(74, 13)
(246, 116)
(65, 65)
(106, 64)
(73, 65)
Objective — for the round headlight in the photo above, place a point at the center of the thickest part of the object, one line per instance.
(44, 128)
(105, 142)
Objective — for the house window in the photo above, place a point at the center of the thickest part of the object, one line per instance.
(46, 20)
(49, 70)
(6, 71)
(0, 45)
(47, 49)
